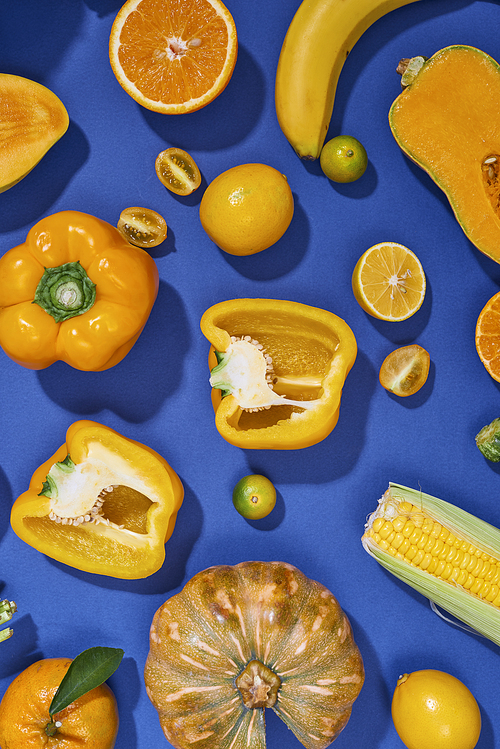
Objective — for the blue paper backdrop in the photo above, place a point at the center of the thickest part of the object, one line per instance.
(159, 394)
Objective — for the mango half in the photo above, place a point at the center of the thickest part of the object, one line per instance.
(32, 119)
(447, 121)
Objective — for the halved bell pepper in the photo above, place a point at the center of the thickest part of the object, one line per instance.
(102, 503)
(75, 291)
(277, 371)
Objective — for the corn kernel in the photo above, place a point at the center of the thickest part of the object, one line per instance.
(406, 508)
(448, 569)
(399, 523)
(462, 577)
(398, 540)
(408, 529)
(427, 525)
(418, 558)
(444, 534)
(385, 529)
(377, 525)
(404, 547)
(469, 582)
(494, 591)
(415, 536)
(410, 554)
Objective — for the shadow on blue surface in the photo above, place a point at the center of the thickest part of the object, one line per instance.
(23, 647)
(46, 35)
(195, 131)
(407, 331)
(127, 687)
(279, 259)
(33, 197)
(338, 453)
(136, 388)
(7, 501)
(104, 7)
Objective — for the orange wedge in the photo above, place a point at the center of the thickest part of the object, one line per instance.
(389, 282)
(488, 336)
(173, 56)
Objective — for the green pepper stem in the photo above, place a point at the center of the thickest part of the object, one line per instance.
(7, 609)
(57, 471)
(65, 291)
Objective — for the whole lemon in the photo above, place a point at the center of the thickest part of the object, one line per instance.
(435, 710)
(246, 209)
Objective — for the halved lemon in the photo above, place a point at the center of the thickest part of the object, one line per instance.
(173, 56)
(388, 282)
(488, 336)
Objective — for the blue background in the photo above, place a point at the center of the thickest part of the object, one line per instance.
(159, 394)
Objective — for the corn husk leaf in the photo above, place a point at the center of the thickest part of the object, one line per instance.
(477, 613)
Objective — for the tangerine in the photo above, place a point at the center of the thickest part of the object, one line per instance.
(90, 722)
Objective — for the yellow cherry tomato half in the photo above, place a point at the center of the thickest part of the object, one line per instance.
(177, 170)
(142, 227)
(254, 496)
(405, 370)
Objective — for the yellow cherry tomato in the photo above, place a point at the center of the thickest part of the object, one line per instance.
(177, 170)
(254, 496)
(142, 227)
(405, 370)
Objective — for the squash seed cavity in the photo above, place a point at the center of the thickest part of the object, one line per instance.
(490, 169)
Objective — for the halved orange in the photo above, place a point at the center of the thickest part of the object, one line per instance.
(488, 336)
(173, 56)
(388, 282)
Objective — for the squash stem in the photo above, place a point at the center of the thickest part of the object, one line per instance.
(258, 685)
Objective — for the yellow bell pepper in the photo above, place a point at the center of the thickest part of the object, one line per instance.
(102, 503)
(277, 371)
(75, 291)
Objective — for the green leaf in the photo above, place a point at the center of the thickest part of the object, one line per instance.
(89, 670)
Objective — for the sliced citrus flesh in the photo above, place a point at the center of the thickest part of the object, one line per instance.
(388, 282)
(488, 336)
(177, 171)
(173, 56)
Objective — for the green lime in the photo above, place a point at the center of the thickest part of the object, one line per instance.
(343, 159)
(254, 496)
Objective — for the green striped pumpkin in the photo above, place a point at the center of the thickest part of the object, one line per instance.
(238, 639)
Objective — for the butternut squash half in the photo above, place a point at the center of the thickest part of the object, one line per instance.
(32, 119)
(447, 121)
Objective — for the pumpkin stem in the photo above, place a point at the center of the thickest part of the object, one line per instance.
(258, 685)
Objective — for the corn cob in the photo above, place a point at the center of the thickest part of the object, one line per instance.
(443, 552)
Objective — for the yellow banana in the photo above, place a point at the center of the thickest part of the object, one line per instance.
(316, 45)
